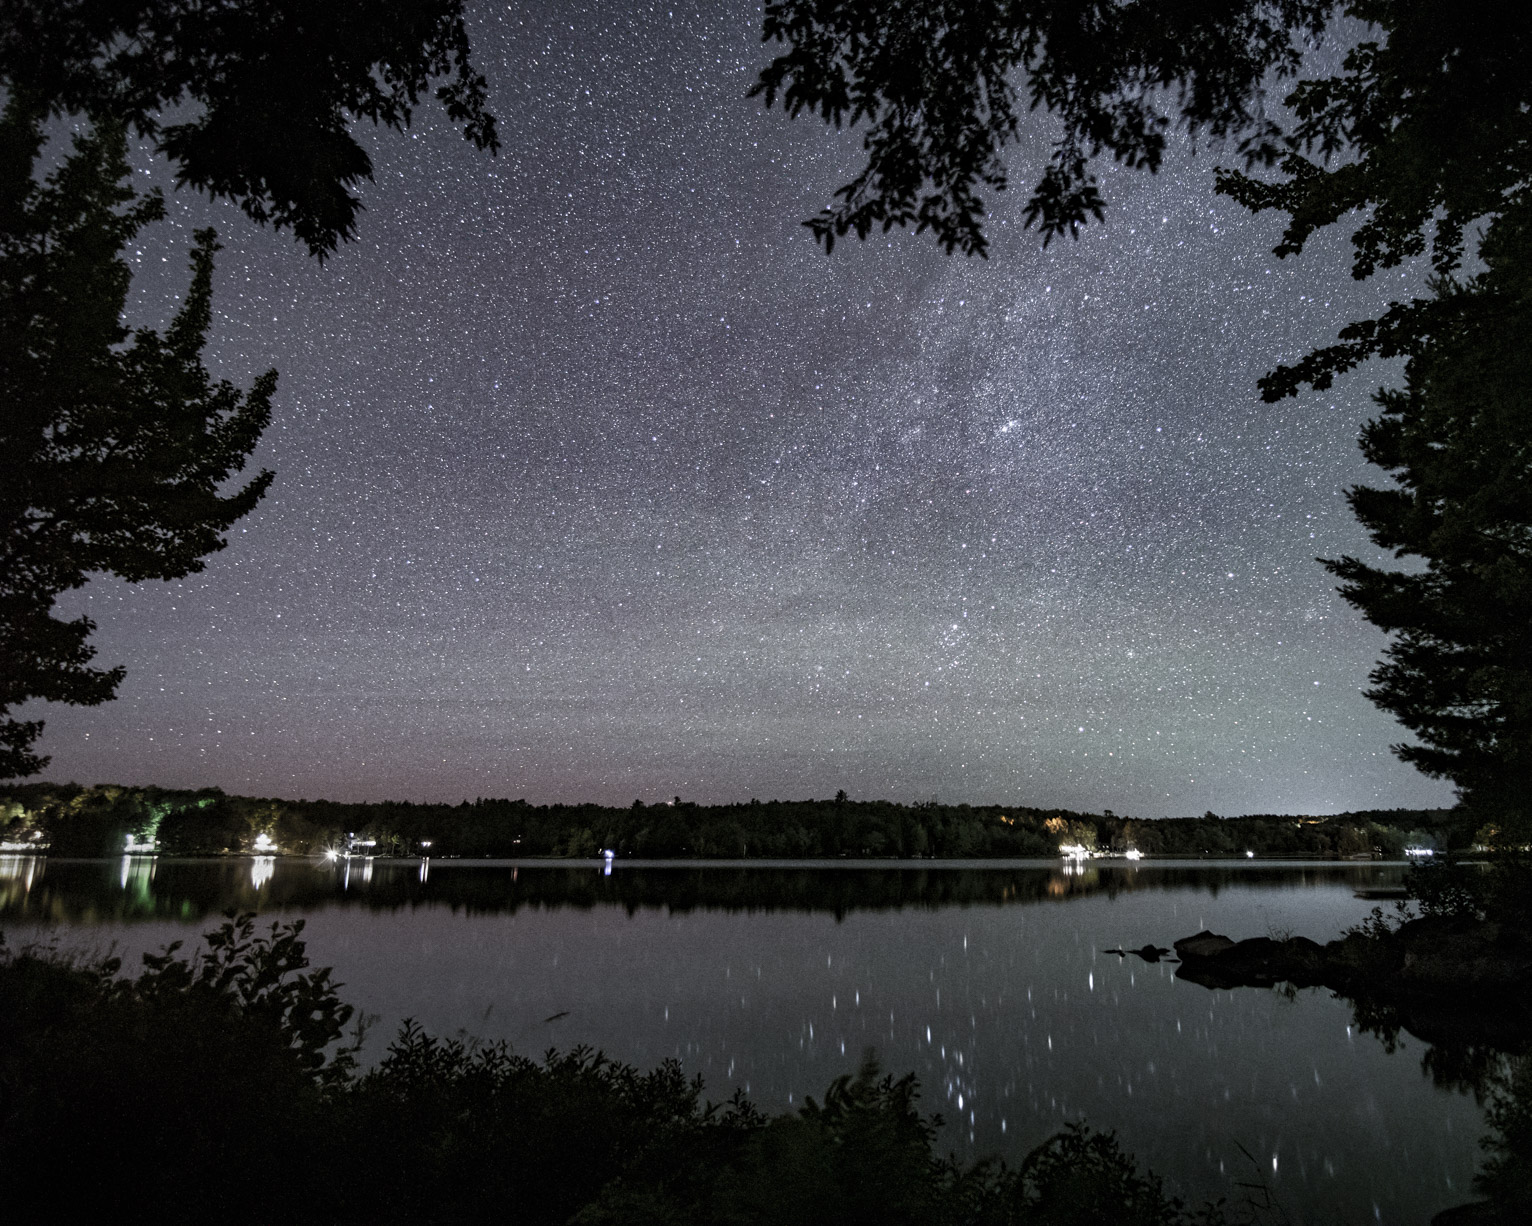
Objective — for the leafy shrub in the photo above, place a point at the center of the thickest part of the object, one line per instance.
(1080, 1177)
(1448, 888)
(191, 1084)
(221, 1087)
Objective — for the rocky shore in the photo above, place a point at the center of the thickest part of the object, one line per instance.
(1436, 976)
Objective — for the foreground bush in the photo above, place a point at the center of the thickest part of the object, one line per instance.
(220, 1087)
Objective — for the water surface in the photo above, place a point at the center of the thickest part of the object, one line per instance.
(988, 980)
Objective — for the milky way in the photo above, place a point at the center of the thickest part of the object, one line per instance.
(597, 480)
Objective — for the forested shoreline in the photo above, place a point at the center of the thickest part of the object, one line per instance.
(68, 819)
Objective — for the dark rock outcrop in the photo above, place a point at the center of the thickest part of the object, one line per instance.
(1204, 945)
(1433, 976)
(1218, 962)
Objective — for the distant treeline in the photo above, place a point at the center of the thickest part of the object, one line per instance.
(80, 821)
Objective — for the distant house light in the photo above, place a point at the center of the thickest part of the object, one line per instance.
(264, 845)
(1420, 851)
(360, 849)
(1133, 853)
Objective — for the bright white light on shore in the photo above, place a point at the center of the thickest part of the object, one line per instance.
(1419, 851)
(1073, 851)
(263, 844)
(1250, 855)
(1133, 853)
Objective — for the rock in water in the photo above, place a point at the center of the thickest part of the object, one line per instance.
(1204, 945)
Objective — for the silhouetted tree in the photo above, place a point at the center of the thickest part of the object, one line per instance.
(111, 453)
(1434, 115)
(1457, 439)
(114, 445)
(1423, 133)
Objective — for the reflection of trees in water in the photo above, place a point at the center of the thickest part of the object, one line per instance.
(1468, 1049)
(86, 892)
(1507, 1175)
(1479, 1047)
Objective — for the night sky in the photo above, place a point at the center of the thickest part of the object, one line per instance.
(597, 479)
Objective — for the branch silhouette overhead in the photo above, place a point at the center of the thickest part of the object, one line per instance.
(252, 100)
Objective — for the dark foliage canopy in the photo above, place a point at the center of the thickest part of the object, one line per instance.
(252, 100)
(1423, 132)
(1424, 135)
(940, 87)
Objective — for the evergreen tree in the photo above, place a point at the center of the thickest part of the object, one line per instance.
(1457, 439)
(111, 452)
(114, 445)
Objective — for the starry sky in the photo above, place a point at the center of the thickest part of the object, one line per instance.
(597, 479)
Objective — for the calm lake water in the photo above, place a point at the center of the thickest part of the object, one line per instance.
(988, 980)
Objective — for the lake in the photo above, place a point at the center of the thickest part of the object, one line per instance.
(989, 980)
